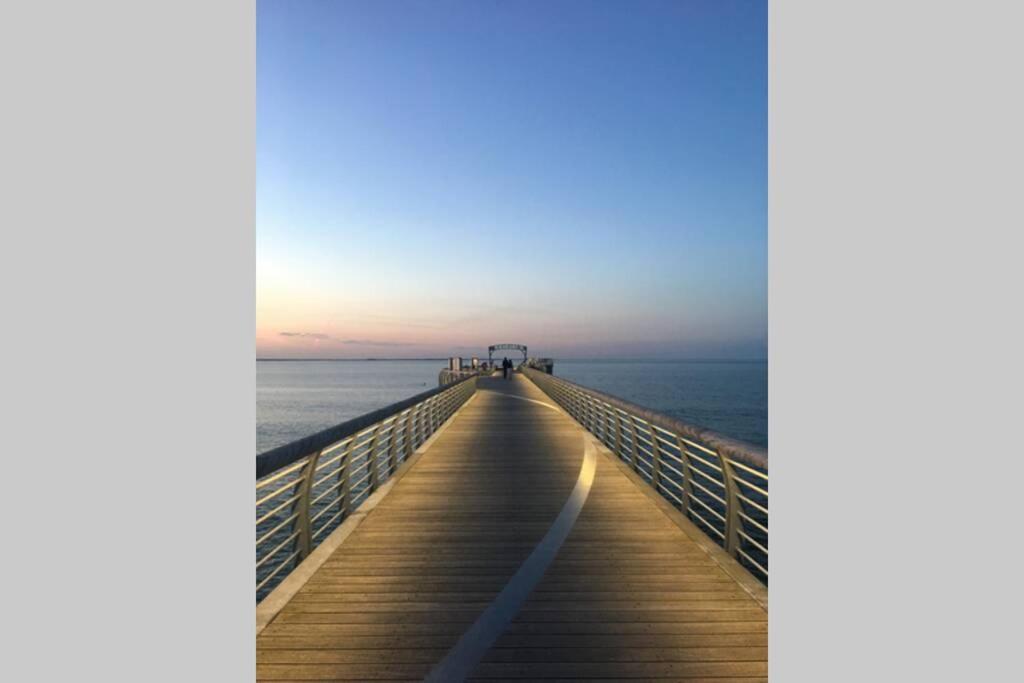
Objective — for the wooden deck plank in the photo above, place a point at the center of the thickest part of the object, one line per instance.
(629, 595)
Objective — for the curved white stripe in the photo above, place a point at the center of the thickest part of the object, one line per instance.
(474, 643)
(523, 398)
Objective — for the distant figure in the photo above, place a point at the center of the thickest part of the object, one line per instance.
(505, 365)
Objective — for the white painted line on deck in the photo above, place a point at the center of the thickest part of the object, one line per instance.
(523, 398)
(474, 643)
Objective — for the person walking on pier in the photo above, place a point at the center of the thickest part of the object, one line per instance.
(505, 366)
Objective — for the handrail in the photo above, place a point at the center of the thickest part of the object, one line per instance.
(718, 482)
(306, 488)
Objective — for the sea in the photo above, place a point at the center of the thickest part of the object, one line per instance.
(295, 398)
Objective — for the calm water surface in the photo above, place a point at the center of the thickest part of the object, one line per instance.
(730, 397)
(296, 398)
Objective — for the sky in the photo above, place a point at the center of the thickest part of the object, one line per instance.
(585, 178)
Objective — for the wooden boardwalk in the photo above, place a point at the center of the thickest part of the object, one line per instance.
(633, 593)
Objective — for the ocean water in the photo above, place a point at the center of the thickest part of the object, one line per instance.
(297, 398)
(730, 397)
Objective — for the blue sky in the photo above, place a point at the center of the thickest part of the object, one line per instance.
(588, 178)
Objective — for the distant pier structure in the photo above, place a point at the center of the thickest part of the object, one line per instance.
(543, 364)
(505, 347)
(457, 370)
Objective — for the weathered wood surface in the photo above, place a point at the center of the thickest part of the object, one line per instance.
(629, 595)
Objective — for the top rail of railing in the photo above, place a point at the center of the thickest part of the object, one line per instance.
(718, 482)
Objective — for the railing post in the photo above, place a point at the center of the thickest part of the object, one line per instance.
(618, 433)
(302, 525)
(446, 408)
(602, 417)
(609, 428)
(372, 454)
(408, 432)
(684, 457)
(417, 426)
(344, 480)
(655, 457)
(393, 447)
(635, 448)
(732, 507)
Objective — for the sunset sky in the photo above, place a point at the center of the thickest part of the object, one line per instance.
(589, 179)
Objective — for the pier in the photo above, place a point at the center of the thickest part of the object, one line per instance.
(526, 529)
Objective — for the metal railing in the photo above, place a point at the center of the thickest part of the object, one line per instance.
(306, 489)
(719, 483)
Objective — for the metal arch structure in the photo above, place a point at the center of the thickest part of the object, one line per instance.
(504, 347)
